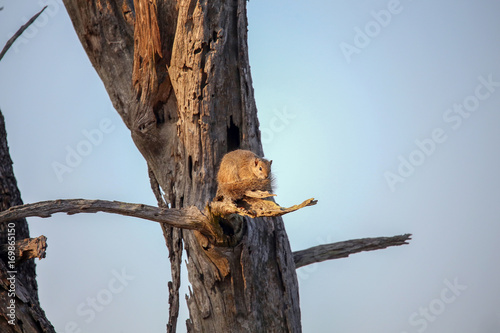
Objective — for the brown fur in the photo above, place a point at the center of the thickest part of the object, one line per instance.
(241, 171)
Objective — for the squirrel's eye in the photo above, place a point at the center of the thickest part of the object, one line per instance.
(260, 168)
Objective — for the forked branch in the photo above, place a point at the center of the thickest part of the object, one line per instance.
(344, 249)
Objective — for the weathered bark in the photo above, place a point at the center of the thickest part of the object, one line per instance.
(187, 101)
(29, 316)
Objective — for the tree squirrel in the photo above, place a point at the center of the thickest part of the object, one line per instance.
(241, 171)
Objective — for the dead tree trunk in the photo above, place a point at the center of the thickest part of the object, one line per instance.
(178, 74)
(20, 308)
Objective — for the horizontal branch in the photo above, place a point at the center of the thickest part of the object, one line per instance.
(186, 218)
(344, 249)
(25, 249)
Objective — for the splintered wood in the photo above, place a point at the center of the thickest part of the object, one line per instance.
(147, 48)
(253, 206)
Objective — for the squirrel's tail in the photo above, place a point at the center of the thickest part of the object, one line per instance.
(236, 190)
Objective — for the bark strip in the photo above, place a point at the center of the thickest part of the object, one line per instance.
(147, 48)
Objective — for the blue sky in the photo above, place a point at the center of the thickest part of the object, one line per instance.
(400, 135)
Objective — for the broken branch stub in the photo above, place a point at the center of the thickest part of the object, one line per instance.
(25, 249)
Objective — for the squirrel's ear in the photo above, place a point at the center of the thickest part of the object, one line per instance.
(256, 161)
(270, 162)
